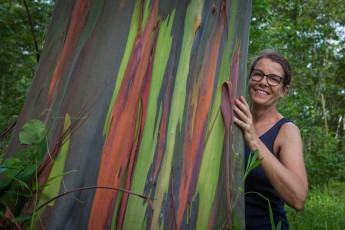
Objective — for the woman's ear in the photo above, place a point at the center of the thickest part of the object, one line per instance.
(284, 91)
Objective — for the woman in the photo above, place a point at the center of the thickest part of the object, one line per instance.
(281, 177)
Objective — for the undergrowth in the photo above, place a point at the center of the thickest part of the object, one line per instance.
(324, 209)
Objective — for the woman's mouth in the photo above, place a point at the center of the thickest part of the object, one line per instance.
(262, 92)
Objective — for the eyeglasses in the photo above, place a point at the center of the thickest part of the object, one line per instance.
(272, 79)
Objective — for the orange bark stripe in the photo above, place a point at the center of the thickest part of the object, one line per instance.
(79, 18)
(117, 149)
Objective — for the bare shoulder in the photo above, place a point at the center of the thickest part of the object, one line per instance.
(289, 129)
(289, 140)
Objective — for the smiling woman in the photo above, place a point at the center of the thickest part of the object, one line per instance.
(281, 177)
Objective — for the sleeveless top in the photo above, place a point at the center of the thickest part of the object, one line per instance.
(256, 207)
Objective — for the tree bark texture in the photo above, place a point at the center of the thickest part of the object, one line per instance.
(132, 91)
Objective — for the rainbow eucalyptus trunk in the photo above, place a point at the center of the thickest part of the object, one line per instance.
(132, 91)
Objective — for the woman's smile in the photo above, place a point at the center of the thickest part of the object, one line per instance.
(261, 92)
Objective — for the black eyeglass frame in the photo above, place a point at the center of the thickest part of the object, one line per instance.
(269, 77)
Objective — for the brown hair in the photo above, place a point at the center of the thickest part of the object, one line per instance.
(275, 56)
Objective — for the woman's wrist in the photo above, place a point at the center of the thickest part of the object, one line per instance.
(254, 145)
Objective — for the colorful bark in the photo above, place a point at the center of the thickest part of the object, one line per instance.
(149, 75)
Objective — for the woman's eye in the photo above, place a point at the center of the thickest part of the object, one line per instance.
(256, 73)
(275, 79)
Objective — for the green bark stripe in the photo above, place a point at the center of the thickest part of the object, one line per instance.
(210, 166)
(53, 184)
(126, 56)
(136, 208)
(192, 20)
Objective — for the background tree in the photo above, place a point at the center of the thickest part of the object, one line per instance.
(17, 54)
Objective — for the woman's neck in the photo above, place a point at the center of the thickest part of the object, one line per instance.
(265, 115)
(264, 118)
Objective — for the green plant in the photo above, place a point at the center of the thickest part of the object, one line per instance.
(324, 209)
(18, 170)
(252, 163)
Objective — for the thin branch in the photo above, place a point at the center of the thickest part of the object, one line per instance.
(148, 199)
(8, 130)
(32, 30)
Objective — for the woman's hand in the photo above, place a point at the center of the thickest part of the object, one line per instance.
(245, 121)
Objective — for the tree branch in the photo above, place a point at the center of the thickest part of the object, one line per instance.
(32, 30)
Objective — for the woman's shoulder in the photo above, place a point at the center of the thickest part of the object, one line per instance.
(289, 126)
(289, 144)
(289, 133)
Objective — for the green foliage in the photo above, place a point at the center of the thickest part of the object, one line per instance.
(273, 227)
(252, 163)
(18, 170)
(32, 132)
(325, 162)
(324, 209)
(17, 53)
(21, 166)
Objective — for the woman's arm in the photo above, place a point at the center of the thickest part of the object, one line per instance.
(287, 174)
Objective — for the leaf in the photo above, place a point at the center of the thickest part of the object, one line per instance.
(9, 170)
(22, 218)
(271, 213)
(27, 172)
(9, 164)
(23, 184)
(255, 164)
(252, 163)
(4, 182)
(32, 132)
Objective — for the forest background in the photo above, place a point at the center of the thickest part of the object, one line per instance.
(310, 33)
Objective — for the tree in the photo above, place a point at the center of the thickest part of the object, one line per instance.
(132, 94)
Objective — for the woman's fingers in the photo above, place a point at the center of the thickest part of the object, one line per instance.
(239, 105)
(239, 122)
(239, 112)
(241, 108)
(244, 117)
(243, 100)
(244, 120)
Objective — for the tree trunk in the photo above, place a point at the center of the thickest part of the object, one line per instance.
(132, 91)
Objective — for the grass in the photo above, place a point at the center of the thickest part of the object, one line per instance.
(324, 209)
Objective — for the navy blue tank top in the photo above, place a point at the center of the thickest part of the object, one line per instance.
(256, 207)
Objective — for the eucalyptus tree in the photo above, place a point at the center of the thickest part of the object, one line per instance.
(131, 94)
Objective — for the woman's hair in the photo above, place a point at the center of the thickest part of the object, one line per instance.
(275, 56)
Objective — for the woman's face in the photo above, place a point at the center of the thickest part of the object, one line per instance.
(262, 93)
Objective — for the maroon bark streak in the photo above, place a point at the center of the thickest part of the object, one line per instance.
(136, 146)
(119, 144)
(79, 18)
(227, 102)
